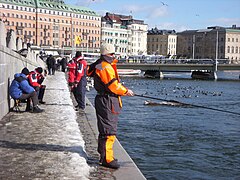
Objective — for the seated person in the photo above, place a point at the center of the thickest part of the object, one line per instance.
(35, 79)
(21, 90)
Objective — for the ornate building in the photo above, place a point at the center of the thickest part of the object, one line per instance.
(127, 34)
(52, 23)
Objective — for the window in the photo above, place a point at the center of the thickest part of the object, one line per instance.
(236, 51)
(228, 49)
(232, 49)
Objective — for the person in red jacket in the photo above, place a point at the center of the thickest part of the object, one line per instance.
(71, 73)
(80, 80)
(36, 79)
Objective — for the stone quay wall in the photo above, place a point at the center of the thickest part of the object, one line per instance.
(11, 63)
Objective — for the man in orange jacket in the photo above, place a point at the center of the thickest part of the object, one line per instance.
(108, 102)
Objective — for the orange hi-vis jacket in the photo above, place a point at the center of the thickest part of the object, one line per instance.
(106, 79)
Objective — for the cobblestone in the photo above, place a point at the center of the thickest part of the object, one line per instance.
(47, 145)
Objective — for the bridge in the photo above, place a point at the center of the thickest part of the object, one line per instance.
(180, 67)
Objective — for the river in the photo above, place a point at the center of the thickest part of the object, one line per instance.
(169, 142)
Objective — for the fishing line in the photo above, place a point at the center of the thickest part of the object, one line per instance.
(187, 104)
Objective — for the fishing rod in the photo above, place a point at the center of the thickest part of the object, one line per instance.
(187, 104)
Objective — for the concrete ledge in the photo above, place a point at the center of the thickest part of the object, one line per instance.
(128, 169)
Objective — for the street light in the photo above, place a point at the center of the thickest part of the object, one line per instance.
(66, 38)
(86, 34)
(215, 70)
(193, 46)
(93, 41)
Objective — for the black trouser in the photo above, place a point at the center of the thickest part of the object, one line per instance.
(49, 70)
(107, 111)
(79, 93)
(33, 96)
(40, 91)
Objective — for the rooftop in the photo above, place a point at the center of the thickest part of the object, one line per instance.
(52, 5)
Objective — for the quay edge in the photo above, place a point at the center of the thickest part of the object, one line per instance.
(128, 169)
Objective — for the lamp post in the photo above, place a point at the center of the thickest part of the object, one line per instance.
(216, 51)
(193, 47)
(86, 34)
(66, 38)
(216, 61)
(45, 36)
(93, 41)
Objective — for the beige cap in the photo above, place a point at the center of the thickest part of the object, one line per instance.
(107, 49)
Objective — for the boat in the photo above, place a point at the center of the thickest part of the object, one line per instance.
(152, 74)
(166, 103)
(129, 72)
(202, 75)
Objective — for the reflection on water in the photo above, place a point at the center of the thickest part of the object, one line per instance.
(180, 142)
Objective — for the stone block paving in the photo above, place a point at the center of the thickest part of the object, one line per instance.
(47, 145)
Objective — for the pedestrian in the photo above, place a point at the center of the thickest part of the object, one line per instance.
(80, 81)
(36, 79)
(71, 66)
(20, 89)
(63, 64)
(108, 102)
(51, 64)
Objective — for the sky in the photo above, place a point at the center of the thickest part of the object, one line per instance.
(179, 15)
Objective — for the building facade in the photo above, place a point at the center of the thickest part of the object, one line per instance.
(52, 23)
(129, 36)
(213, 42)
(161, 42)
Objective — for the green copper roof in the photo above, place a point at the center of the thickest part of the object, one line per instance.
(29, 3)
(58, 5)
(233, 30)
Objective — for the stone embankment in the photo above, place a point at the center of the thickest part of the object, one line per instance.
(59, 143)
